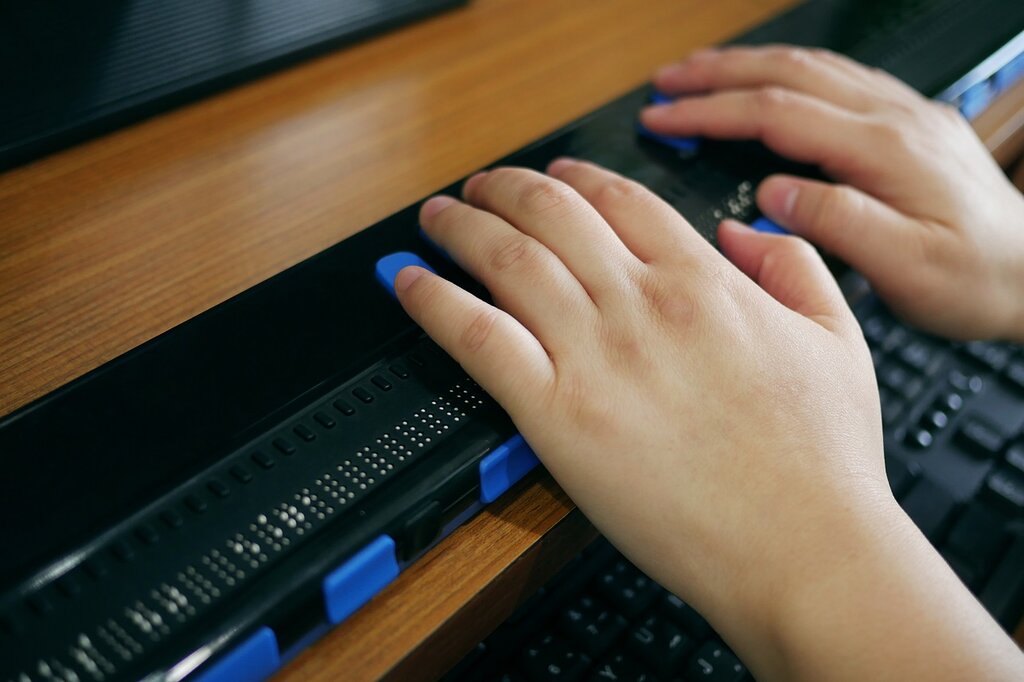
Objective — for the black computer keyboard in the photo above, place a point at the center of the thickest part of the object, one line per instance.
(954, 434)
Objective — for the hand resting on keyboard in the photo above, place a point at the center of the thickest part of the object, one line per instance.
(718, 421)
(919, 206)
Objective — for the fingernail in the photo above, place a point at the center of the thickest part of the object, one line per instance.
(778, 198)
(560, 164)
(655, 113)
(734, 226)
(434, 205)
(670, 72)
(406, 276)
(472, 182)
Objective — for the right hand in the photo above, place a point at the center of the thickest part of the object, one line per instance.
(920, 208)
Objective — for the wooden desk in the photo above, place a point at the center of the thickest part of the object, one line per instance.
(108, 244)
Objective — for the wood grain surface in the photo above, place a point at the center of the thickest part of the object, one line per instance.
(110, 243)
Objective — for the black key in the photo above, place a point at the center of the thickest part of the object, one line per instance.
(876, 328)
(399, 371)
(896, 337)
(980, 438)
(263, 459)
(122, 551)
(590, 623)
(381, 383)
(918, 355)
(977, 537)
(363, 395)
(900, 474)
(620, 668)
(241, 474)
(919, 439)
(965, 383)
(1005, 488)
(324, 420)
(1015, 457)
(714, 661)
(661, 645)
(416, 360)
(935, 420)
(69, 586)
(40, 604)
(993, 356)
(95, 568)
(344, 408)
(626, 588)
(929, 507)
(685, 615)
(218, 488)
(877, 357)
(1003, 595)
(949, 402)
(171, 518)
(552, 658)
(195, 503)
(1014, 374)
(894, 377)
(147, 534)
(285, 447)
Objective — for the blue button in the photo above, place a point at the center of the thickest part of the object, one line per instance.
(975, 99)
(682, 144)
(1009, 74)
(504, 466)
(388, 267)
(769, 226)
(253, 660)
(357, 580)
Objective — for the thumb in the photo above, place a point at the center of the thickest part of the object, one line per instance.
(856, 227)
(788, 269)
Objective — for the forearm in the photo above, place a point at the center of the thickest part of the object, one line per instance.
(883, 606)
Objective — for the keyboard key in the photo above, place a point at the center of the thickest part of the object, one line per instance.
(324, 420)
(399, 371)
(218, 488)
(918, 355)
(302, 431)
(935, 420)
(715, 662)
(1005, 489)
(919, 439)
(980, 438)
(381, 383)
(965, 383)
(620, 668)
(1014, 374)
(876, 328)
(241, 474)
(686, 616)
(929, 507)
(627, 589)
(344, 408)
(893, 407)
(949, 402)
(591, 624)
(363, 395)
(994, 356)
(195, 503)
(658, 643)
(965, 571)
(171, 518)
(551, 659)
(1003, 595)
(261, 458)
(1015, 457)
(977, 537)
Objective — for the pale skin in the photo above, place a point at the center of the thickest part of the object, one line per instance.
(716, 416)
